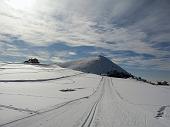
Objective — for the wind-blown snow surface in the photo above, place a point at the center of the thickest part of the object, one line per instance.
(30, 96)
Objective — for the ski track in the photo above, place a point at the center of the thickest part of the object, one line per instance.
(104, 108)
(41, 80)
(52, 108)
(29, 95)
(18, 109)
(37, 71)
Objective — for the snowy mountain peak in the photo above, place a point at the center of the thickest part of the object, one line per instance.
(102, 57)
(96, 65)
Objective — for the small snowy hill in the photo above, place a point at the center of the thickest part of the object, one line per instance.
(96, 65)
(51, 96)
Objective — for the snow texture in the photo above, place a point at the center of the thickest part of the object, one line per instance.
(95, 65)
(32, 96)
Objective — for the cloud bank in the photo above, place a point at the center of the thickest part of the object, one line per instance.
(131, 32)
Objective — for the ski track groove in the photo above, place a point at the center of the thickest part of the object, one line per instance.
(93, 110)
(94, 100)
(55, 106)
(39, 71)
(39, 112)
(18, 109)
(41, 80)
(29, 95)
(124, 99)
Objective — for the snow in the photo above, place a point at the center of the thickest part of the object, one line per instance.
(30, 96)
(95, 65)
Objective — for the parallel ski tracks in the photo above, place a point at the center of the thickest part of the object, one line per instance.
(61, 105)
(91, 115)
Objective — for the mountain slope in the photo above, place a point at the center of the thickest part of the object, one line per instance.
(96, 65)
(50, 96)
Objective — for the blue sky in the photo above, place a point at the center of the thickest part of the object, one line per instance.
(134, 34)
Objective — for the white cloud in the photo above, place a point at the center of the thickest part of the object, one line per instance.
(125, 24)
(163, 37)
(72, 53)
(58, 60)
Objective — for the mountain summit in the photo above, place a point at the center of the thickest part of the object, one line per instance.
(97, 65)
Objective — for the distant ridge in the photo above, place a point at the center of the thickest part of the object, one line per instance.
(97, 65)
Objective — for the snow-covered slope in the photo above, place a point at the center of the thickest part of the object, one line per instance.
(51, 96)
(95, 65)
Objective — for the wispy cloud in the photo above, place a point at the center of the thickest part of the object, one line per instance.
(138, 30)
